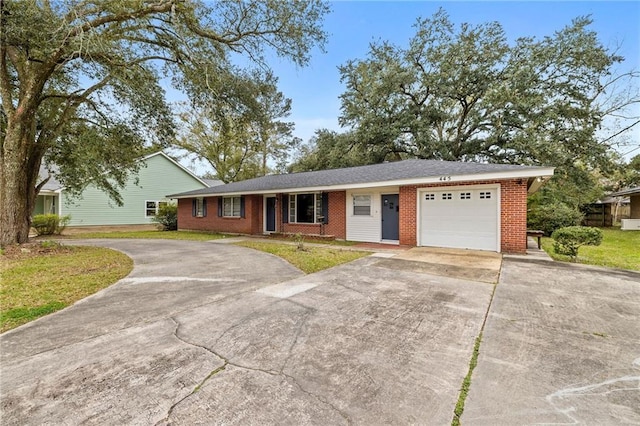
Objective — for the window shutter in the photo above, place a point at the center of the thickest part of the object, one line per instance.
(204, 207)
(219, 206)
(194, 207)
(241, 206)
(285, 208)
(325, 207)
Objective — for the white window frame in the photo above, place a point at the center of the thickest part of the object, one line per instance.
(370, 204)
(235, 209)
(155, 208)
(293, 207)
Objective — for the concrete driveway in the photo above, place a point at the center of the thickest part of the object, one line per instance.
(202, 332)
(208, 333)
(561, 346)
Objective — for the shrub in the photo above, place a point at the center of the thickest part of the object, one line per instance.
(49, 224)
(299, 239)
(550, 217)
(167, 217)
(568, 240)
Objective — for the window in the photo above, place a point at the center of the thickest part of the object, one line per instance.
(465, 195)
(485, 195)
(305, 208)
(199, 207)
(429, 197)
(151, 207)
(231, 206)
(446, 195)
(362, 205)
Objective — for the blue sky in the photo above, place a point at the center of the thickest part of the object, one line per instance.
(353, 25)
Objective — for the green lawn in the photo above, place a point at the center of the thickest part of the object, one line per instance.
(619, 249)
(41, 278)
(167, 235)
(309, 260)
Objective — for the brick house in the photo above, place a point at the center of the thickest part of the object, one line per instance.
(412, 202)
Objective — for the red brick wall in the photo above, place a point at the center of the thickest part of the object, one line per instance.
(250, 224)
(253, 222)
(513, 216)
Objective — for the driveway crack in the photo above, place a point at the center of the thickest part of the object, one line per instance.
(227, 362)
(319, 398)
(299, 328)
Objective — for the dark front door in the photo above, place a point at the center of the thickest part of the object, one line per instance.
(271, 214)
(390, 217)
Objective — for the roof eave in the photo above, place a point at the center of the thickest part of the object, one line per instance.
(541, 173)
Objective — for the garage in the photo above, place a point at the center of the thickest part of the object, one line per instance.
(460, 217)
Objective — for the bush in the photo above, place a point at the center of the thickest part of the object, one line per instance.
(49, 224)
(167, 217)
(568, 240)
(550, 217)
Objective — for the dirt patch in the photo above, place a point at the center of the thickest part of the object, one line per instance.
(33, 249)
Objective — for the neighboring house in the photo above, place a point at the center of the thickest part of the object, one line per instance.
(411, 202)
(633, 223)
(158, 175)
(606, 212)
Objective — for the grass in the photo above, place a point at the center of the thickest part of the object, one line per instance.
(167, 235)
(310, 260)
(619, 249)
(45, 278)
(466, 383)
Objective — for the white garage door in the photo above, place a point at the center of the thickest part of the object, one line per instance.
(460, 218)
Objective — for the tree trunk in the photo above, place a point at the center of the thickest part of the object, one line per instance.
(19, 168)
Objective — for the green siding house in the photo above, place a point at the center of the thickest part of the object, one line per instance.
(160, 175)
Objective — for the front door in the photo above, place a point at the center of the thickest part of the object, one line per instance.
(270, 225)
(390, 217)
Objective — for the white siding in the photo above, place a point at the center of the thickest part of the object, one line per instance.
(159, 178)
(366, 228)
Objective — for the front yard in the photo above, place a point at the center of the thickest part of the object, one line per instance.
(619, 249)
(43, 277)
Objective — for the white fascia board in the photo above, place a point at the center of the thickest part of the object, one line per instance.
(512, 174)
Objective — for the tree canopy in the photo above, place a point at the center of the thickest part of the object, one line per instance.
(465, 93)
(81, 81)
(239, 131)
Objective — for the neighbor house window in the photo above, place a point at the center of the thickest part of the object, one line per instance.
(151, 207)
(362, 205)
(305, 208)
(231, 206)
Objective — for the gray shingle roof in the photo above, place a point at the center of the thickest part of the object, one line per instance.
(629, 191)
(385, 172)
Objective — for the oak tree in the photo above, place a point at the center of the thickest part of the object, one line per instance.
(81, 81)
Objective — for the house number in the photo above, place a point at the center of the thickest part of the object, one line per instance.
(445, 178)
